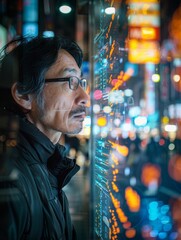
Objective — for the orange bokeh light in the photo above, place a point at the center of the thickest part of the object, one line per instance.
(174, 167)
(130, 233)
(150, 173)
(132, 199)
(123, 150)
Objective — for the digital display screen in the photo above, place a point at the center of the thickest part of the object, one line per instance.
(136, 137)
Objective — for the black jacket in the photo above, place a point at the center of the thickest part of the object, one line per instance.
(32, 204)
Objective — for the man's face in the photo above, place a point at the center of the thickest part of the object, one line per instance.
(63, 109)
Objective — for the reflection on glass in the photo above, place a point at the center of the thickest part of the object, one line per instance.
(136, 120)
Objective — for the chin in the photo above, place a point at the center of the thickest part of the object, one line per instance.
(74, 131)
(73, 127)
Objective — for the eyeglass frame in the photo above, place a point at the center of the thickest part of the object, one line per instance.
(67, 79)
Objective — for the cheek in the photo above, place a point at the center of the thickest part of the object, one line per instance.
(58, 99)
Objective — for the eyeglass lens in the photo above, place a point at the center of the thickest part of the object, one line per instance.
(83, 83)
(74, 83)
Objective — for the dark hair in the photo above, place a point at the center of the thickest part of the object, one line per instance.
(28, 62)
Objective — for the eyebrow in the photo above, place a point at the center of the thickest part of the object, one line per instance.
(70, 70)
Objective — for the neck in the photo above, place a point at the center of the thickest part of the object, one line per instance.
(53, 135)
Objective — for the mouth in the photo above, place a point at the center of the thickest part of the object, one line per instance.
(79, 116)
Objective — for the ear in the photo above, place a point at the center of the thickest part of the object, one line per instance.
(23, 100)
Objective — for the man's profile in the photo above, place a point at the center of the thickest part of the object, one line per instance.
(42, 83)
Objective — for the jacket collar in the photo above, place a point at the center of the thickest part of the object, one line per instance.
(42, 150)
(31, 139)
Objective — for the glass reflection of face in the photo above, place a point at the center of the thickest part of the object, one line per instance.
(63, 109)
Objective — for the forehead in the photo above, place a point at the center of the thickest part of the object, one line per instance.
(64, 63)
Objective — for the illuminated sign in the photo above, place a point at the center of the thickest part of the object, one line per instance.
(143, 31)
(143, 52)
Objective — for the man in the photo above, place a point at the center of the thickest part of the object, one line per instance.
(42, 84)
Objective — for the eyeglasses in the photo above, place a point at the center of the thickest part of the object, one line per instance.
(74, 82)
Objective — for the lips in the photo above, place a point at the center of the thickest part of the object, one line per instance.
(79, 115)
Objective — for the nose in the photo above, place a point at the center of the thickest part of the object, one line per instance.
(83, 97)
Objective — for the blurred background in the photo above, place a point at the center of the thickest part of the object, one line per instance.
(129, 185)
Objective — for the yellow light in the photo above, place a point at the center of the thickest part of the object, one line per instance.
(143, 51)
(165, 120)
(146, 8)
(148, 33)
(176, 78)
(155, 77)
(101, 121)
